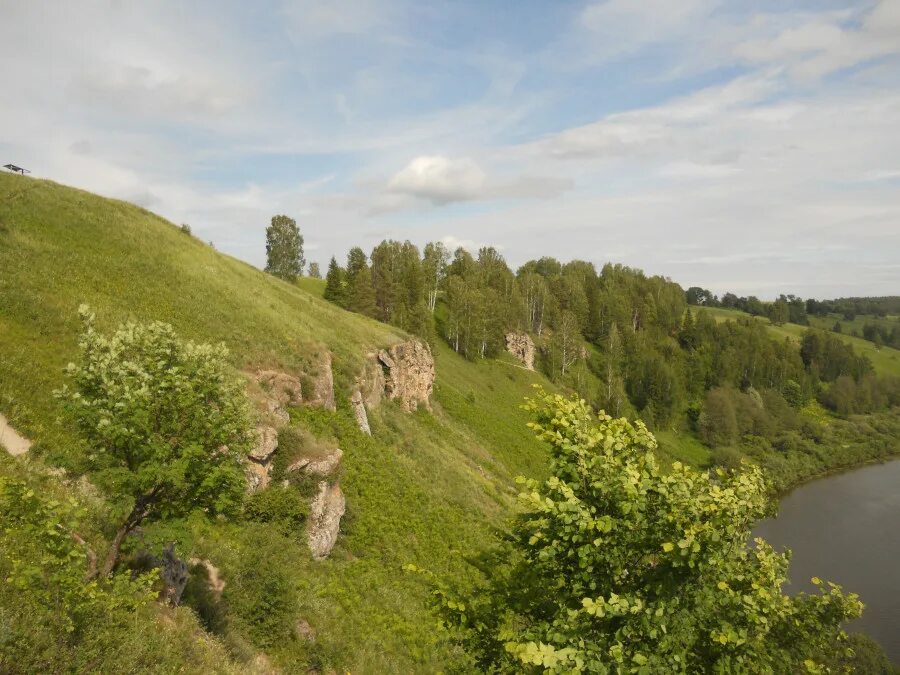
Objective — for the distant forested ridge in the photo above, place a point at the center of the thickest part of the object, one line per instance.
(876, 319)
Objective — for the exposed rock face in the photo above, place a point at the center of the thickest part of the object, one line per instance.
(257, 474)
(318, 466)
(12, 440)
(326, 511)
(409, 373)
(283, 388)
(521, 346)
(359, 412)
(371, 383)
(322, 393)
(266, 443)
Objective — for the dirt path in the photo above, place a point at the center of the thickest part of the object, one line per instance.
(11, 439)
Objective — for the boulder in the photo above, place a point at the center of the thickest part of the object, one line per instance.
(359, 412)
(408, 373)
(318, 466)
(326, 511)
(521, 346)
(266, 443)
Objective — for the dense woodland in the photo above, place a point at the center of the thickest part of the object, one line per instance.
(640, 346)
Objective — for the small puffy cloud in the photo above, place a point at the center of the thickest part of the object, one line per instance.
(442, 180)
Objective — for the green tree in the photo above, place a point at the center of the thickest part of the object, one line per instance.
(284, 249)
(335, 284)
(779, 312)
(168, 418)
(615, 566)
(566, 342)
(360, 291)
(314, 271)
(435, 258)
(718, 422)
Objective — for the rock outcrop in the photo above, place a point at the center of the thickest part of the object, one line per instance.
(324, 465)
(521, 346)
(359, 412)
(322, 393)
(326, 511)
(257, 474)
(266, 443)
(408, 373)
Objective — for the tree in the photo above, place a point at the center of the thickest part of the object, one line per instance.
(435, 258)
(360, 291)
(617, 566)
(718, 423)
(779, 312)
(314, 271)
(168, 418)
(284, 249)
(566, 342)
(335, 284)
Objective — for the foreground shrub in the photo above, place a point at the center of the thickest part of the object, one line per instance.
(614, 566)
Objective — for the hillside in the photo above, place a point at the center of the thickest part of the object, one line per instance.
(423, 488)
(427, 488)
(885, 360)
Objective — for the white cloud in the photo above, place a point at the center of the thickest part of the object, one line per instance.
(820, 46)
(442, 180)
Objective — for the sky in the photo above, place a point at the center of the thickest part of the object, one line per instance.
(743, 146)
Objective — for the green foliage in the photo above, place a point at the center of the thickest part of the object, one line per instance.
(284, 249)
(314, 271)
(335, 284)
(167, 418)
(283, 506)
(615, 566)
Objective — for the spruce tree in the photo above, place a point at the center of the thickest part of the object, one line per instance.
(335, 286)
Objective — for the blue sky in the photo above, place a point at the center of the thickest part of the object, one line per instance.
(751, 147)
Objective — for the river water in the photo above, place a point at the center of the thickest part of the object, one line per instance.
(846, 529)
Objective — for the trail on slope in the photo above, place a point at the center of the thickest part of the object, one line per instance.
(11, 439)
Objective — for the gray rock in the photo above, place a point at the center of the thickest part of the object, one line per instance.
(359, 412)
(266, 443)
(326, 511)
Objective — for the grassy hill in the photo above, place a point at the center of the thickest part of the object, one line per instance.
(885, 359)
(424, 489)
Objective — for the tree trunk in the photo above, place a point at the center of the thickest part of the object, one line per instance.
(141, 508)
(112, 555)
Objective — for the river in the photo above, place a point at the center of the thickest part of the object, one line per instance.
(846, 529)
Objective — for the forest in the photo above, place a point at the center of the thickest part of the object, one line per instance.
(640, 346)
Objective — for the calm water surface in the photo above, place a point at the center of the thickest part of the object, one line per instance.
(846, 529)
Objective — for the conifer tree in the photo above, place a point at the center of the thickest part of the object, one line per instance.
(335, 285)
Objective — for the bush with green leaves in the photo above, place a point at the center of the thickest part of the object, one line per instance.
(615, 565)
(49, 604)
(168, 419)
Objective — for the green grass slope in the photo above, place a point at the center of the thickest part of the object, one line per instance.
(885, 360)
(425, 489)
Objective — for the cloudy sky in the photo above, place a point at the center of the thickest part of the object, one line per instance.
(744, 146)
